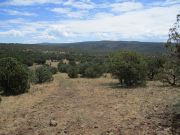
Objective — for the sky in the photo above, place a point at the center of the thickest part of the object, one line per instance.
(60, 21)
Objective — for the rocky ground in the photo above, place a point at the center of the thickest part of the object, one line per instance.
(89, 107)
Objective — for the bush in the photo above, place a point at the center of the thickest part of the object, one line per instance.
(32, 77)
(93, 71)
(72, 63)
(43, 74)
(40, 60)
(154, 65)
(128, 67)
(72, 72)
(53, 70)
(170, 73)
(14, 77)
(82, 67)
(28, 61)
(63, 68)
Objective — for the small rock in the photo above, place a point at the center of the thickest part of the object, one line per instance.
(52, 123)
(95, 126)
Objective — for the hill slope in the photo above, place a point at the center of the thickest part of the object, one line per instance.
(110, 46)
(93, 47)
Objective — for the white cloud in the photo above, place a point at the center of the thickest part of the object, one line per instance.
(103, 15)
(172, 2)
(14, 33)
(19, 13)
(61, 10)
(67, 12)
(165, 3)
(81, 4)
(30, 2)
(126, 6)
(137, 22)
(142, 24)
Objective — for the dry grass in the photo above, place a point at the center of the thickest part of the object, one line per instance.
(52, 63)
(88, 107)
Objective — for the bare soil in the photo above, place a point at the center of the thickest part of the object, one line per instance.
(88, 107)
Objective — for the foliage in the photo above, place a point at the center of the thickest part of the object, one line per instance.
(128, 67)
(43, 74)
(14, 77)
(173, 42)
(93, 71)
(72, 72)
(53, 70)
(32, 77)
(82, 67)
(72, 63)
(27, 61)
(154, 64)
(171, 72)
(40, 60)
(63, 68)
(176, 118)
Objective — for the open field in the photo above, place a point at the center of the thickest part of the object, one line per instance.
(88, 107)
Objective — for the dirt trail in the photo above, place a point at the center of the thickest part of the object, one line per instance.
(88, 107)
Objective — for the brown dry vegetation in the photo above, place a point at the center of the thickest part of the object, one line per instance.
(88, 107)
(52, 63)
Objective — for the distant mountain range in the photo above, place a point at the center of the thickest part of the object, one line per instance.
(95, 47)
(110, 46)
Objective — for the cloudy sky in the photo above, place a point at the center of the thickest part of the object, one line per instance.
(35, 21)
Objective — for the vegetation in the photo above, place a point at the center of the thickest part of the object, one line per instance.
(13, 77)
(53, 70)
(171, 72)
(32, 77)
(128, 67)
(176, 118)
(43, 74)
(72, 72)
(154, 65)
(93, 71)
(62, 67)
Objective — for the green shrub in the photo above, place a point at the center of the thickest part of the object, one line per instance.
(170, 73)
(82, 67)
(72, 63)
(32, 77)
(154, 65)
(28, 61)
(129, 67)
(53, 70)
(93, 71)
(72, 72)
(14, 77)
(63, 68)
(43, 74)
(40, 60)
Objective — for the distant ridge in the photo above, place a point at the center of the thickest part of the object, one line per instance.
(110, 46)
(100, 47)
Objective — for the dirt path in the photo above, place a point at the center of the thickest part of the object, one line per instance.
(88, 107)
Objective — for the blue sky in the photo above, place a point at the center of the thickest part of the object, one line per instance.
(35, 21)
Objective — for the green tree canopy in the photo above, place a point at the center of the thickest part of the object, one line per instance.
(14, 77)
(128, 67)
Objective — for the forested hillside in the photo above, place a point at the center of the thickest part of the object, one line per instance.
(92, 47)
